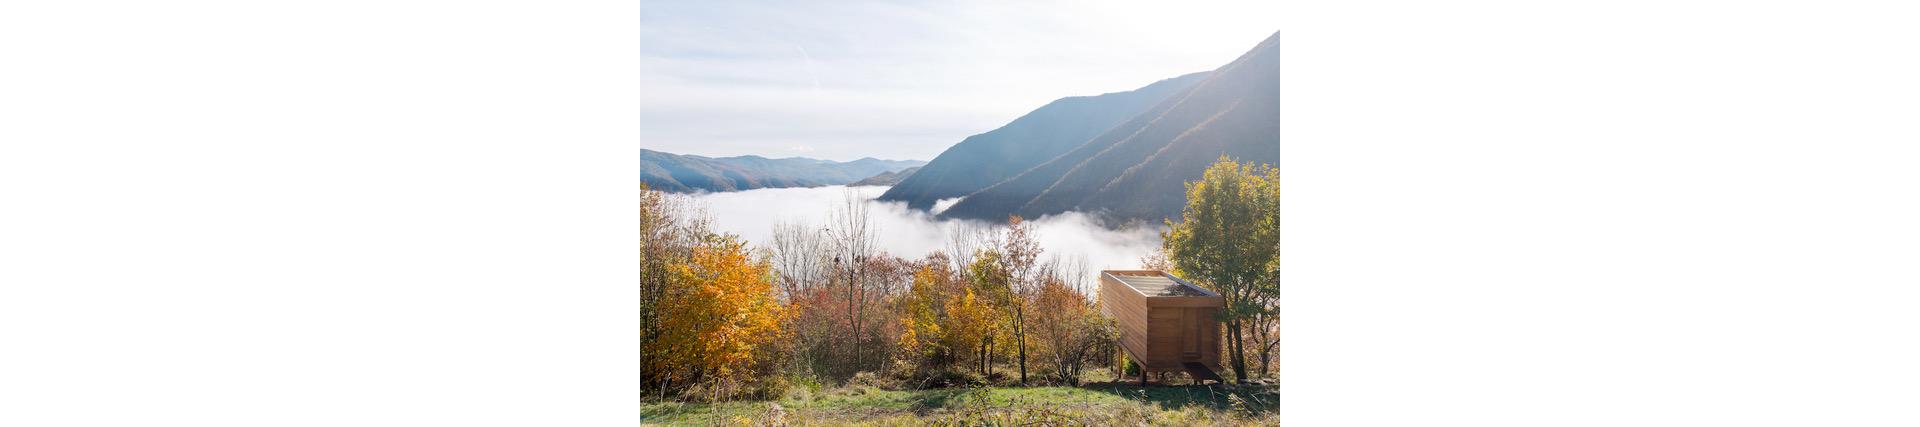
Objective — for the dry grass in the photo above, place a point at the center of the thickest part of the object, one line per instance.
(1101, 404)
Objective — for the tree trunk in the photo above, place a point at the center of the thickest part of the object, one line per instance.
(844, 367)
(989, 366)
(1266, 355)
(981, 364)
(855, 297)
(1264, 339)
(1235, 345)
(1019, 331)
(986, 356)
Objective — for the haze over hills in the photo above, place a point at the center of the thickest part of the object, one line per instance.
(1118, 156)
(988, 158)
(1137, 170)
(887, 178)
(689, 173)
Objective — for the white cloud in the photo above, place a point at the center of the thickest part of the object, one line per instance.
(942, 204)
(911, 233)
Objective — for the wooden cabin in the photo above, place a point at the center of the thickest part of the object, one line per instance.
(1166, 324)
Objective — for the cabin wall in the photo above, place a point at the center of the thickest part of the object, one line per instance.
(1161, 333)
(1209, 337)
(1129, 309)
(1177, 335)
(1165, 330)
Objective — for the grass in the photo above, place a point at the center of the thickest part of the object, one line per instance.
(1118, 403)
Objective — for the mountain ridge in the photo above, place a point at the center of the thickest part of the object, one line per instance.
(685, 173)
(887, 178)
(983, 159)
(1137, 169)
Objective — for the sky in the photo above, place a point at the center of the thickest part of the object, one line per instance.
(905, 80)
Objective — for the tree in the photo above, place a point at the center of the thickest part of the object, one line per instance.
(851, 232)
(1228, 240)
(971, 326)
(989, 285)
(720, 318)
(1018, 264)
(921, 318)
(1158, 261)
(1069, 329)
(670, 229)
(924, 308)
(800, 256)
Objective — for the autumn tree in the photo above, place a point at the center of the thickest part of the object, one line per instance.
(992, 283)
(922, 313)
(800, 255)
(924, 341)
(670, 228)
(1069, 329)
(887, 278)
(1158, 260)
(967, 238)
(851, 233)
(970, 328)
(727, 313)
(1018, 264)
(1228, 240)
(708, 309)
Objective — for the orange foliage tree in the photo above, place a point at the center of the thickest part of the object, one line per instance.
(722, 312)
(1071, 333)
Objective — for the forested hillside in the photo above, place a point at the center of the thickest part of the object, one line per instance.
(982, 160)
(687, 173)
(887, 178)
(1136, 170)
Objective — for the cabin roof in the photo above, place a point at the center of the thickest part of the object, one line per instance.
(1158, 284)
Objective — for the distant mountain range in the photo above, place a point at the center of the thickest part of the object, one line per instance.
(887, 178)
(1121, 156)
(690, 173)
(1124, 168)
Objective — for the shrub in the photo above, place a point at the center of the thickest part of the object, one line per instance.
(870, 379)
(944, 378)
(1071, 332)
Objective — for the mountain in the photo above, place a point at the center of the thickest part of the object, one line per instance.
(1137, 170)
(982, 160)
(887, 178)
(689, 173)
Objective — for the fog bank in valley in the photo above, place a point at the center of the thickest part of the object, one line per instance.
(912, 234)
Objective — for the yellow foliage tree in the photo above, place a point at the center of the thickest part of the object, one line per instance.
(971, 325)
(723, 311)
(920, 335)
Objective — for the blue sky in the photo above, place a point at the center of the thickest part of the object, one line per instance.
(904, 80)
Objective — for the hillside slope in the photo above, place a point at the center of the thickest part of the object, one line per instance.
(887, 178)
(982, 160)
(1137, 170)
(689, 173)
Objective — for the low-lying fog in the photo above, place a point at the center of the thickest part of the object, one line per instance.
(913, 234)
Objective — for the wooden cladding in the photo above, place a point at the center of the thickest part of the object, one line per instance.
(1164, 321)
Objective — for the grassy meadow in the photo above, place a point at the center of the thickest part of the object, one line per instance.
(1095, 404)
